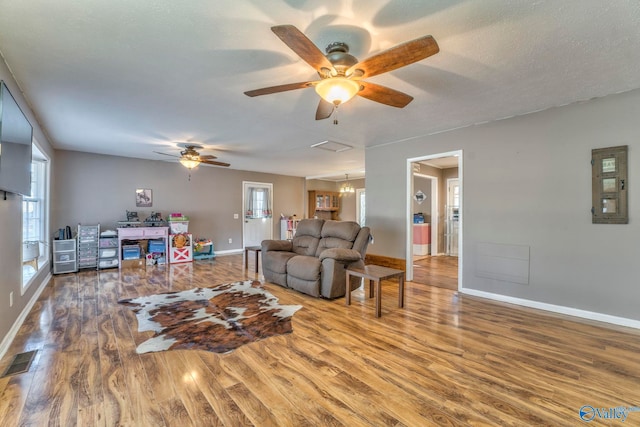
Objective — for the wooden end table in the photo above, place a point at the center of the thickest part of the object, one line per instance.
(257, 250)
(376, 274)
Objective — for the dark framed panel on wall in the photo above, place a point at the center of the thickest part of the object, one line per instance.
(609, 185)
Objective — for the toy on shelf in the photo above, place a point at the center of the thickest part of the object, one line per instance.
(203, 249)
(132, 220)
(155, 220)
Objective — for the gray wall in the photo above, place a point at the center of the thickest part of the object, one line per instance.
(11, 229)
(527, 182)
(93, 188)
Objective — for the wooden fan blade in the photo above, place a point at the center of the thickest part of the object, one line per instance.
(325, 109)
(302, 46)
(384, 95)
(396, 57)
(207, 157)
(280, 88)
(165, 154)
(214, 163)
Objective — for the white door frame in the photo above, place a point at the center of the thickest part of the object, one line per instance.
(246, 184)
(409, 218)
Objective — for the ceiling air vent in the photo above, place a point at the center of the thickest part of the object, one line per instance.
(336, 147)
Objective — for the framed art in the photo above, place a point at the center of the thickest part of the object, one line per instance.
(609, 185)
(419, 197)
(144, 198)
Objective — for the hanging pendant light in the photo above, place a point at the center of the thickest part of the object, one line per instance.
(347, 187)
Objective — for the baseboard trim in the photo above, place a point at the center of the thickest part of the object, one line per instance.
(8, 339)
(229, 252)
(560, 309)
(385, 261)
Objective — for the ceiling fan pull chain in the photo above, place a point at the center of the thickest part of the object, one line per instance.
(335, 115)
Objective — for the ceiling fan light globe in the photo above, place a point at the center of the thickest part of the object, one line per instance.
(337, 90)
(189, 163)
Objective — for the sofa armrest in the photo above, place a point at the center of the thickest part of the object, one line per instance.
(277, 245)
(340, 254)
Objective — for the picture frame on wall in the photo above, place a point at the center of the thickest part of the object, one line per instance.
(144, 198)
(609, 183)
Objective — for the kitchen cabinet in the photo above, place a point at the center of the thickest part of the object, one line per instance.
(324, 201)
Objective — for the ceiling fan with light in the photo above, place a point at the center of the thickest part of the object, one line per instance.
(190, 158)
(341, 74)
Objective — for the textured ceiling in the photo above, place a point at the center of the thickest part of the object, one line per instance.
(133, 77)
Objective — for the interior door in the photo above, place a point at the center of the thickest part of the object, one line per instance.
(453, 216)
(258, 215)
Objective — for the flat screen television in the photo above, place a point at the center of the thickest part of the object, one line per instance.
(15, 146)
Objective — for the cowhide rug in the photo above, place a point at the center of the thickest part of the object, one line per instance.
(217, 319)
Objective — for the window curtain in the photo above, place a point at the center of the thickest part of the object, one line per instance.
(258, 203)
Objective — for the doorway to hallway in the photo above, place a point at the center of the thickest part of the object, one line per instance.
(441, 212)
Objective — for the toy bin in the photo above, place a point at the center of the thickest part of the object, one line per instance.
(177, 227)
(130, 252)
(205, 252)
(180, 248)
(156, 246)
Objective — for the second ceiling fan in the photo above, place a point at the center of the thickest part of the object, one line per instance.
(342, 75)
(191, 158)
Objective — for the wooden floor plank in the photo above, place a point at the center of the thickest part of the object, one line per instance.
(440, 271)
(444, 359)
(115, 394)
(144, 406)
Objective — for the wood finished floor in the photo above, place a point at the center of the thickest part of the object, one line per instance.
(445, 359)
(440, 271)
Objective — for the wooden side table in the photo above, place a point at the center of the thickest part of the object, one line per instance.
(376, 274)
(257, 250)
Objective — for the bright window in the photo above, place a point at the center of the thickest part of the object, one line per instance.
(361, 212)
(258, 203)
(35, 248)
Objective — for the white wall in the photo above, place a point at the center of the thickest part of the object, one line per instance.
(527, 182)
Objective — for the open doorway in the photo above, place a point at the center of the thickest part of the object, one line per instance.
(434, 226)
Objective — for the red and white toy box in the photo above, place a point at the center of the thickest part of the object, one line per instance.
(180, 248)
